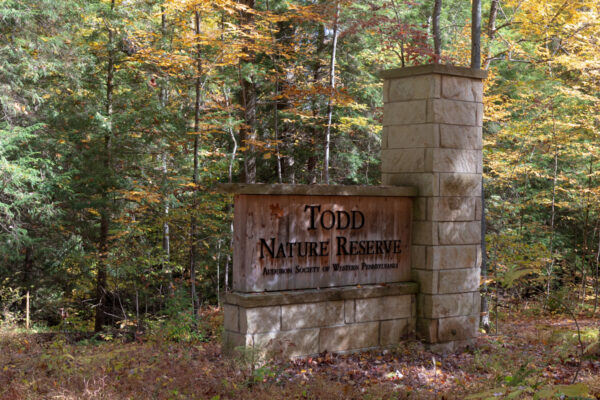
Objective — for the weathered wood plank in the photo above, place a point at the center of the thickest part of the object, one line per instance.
(297, 242)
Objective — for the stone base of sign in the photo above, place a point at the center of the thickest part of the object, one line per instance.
(307, 322)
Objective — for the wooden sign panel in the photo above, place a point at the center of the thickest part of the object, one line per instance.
(284, 242)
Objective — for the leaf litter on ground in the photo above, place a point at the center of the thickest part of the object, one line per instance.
(531, 357)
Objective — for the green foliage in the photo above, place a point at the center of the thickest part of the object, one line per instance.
(71, 154)
(9, 298)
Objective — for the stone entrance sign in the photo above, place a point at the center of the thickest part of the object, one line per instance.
(314, 237)
(342, 268)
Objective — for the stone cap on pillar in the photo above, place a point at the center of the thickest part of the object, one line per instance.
(442, 69)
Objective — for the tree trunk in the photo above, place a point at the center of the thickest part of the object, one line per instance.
(491, 32)
(485, 311)
(101, 277)
(228, 261)
(476, 34)
(553, 210)
(437, 37)
(248, 102)
(596, 278)
(166, 242)
(193, 227)
(399, 21)
(275, 61)
(331, 93)
(311, 163)
(485, 308)
(586, 246)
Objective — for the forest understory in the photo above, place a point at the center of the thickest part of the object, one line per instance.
(529, 354)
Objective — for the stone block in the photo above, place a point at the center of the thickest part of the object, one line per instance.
(452, 208)
(427, 329)
(406, 112)
(402, 160)
(459, 88)
(451, 112)
(412, 136)
(386, 90)
(418, 257)
(231, 318)
(428, 280)
(297, 316)
(460, 185)
(477, 303)
(425, 233)
(381, 308)
(479, 118)
(394, 331)
(413, 309)
(458, 280)
(452, 160)
(233, 341)
(426, 183)
(454, 257)
(260, 319)
(457, 328)
(420, 209)
(413, 88)
(459, 232)
(384, 138)
(287, 344)
(349, 337)
(447, 305)
(349, 310)
(461, 137)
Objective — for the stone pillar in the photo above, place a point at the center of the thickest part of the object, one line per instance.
(432, 140)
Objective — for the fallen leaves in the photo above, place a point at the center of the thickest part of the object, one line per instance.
(515, 363)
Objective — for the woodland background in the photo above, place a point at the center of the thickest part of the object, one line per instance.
(118, 117)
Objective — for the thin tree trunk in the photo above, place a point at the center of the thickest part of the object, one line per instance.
(332, 89)
(553, 211)
(193, 227)
(228, 261)
(437, 37)
(105, 213)
(399, 21)
(276, 130)
(166, 242)
(584, 260)
(485, 311)
(476, 34)
(219, 274)
(275, 61)
(596, 278)
(248, 101)
(27, 311)
(311, 163)
(232, 134)
(491, 32)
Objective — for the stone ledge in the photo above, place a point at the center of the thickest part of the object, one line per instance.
(249, 300)
(433, 69)
(317, 190)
